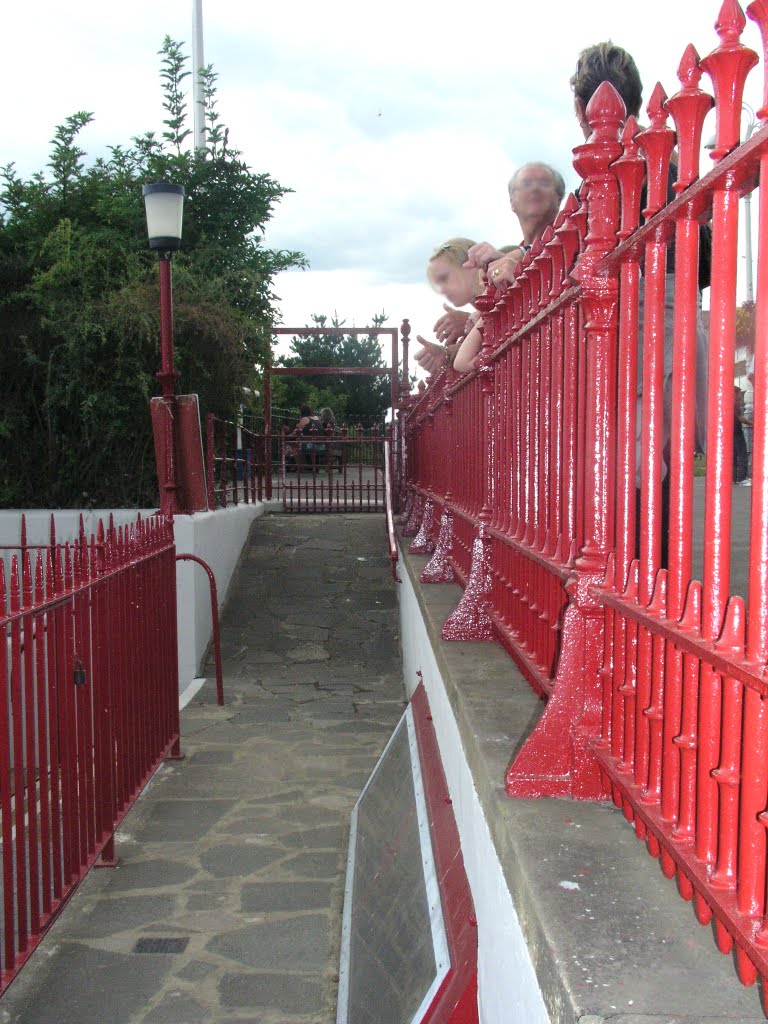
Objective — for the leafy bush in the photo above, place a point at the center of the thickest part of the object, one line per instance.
(79, 303)
(353, 399)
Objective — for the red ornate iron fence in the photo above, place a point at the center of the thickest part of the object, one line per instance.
(88, 710)
(236, 467)
(556, 484)
(333, 471)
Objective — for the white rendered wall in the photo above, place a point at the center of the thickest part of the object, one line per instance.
(508, 990)
(216, 537)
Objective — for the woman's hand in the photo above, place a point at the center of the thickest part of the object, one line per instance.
(501, 272)
(432, 357)
(481, 254)
(451, 326)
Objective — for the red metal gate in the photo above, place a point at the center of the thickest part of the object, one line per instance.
(343, 472)
(327, 472)
(88, 710)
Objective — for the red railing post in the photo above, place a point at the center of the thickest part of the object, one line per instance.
(557, 759)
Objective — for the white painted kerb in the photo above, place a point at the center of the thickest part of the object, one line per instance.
(508, 990)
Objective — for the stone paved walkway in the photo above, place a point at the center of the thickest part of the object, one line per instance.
(241, 848)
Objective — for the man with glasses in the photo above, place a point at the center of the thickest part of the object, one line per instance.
(536, 191)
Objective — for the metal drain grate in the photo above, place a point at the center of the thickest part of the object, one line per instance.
(161, 945)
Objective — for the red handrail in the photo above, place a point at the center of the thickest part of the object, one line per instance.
(393, 554)
(214, 622)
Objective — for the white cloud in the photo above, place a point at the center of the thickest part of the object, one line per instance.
(397, 126)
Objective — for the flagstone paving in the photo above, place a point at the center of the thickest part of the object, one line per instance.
(240, 849)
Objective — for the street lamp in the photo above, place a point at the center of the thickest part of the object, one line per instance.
(164, 205)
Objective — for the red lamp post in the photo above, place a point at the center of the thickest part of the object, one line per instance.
(164, 205)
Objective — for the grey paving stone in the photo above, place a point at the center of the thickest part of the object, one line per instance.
(149, 874)
(286, 896)
(99, 918)
(178, 1008)
(321, 544)
(173, 821)
(309, 652)
(211, 757)
(289, 797)
(313, 865)
(236, 859)
(329, 837)
(361, 725)
(196, 970)
(259, 713)
(296, 943)
(211, 900)
(81, 985)
(305, 813)
(286, 992)
(324, 617)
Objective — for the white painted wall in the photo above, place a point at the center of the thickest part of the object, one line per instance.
(508, 989)
(216, 537)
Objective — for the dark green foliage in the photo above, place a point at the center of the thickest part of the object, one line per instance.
(353, 399)
(79, 307)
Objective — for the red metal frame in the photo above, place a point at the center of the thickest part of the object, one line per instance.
(349, 476)
(396, 387)
(90, 711)
(456, 1000)
(522, 476)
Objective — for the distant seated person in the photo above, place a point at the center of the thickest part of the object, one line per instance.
(329, 430)
(309, 433)
(460, 286)
(328, 420)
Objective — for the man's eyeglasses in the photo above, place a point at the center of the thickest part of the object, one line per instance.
(526, 184)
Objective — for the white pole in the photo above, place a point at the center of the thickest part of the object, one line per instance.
(748, 210)
(748, 244)
(198, 62)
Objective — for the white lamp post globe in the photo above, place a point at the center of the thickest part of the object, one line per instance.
(164, 207)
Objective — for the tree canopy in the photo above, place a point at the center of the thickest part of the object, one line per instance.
(353, 399)
(79, 308)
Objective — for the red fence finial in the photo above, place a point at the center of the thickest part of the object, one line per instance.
(606, 113)
(688, 108)
(568, 232)
(728, 66)
(758, 12)
(657, 143)
(630, 170)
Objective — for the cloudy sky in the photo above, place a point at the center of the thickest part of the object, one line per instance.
(397, 125)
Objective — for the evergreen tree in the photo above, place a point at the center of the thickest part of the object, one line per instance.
(354, 399)
(79, 307)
